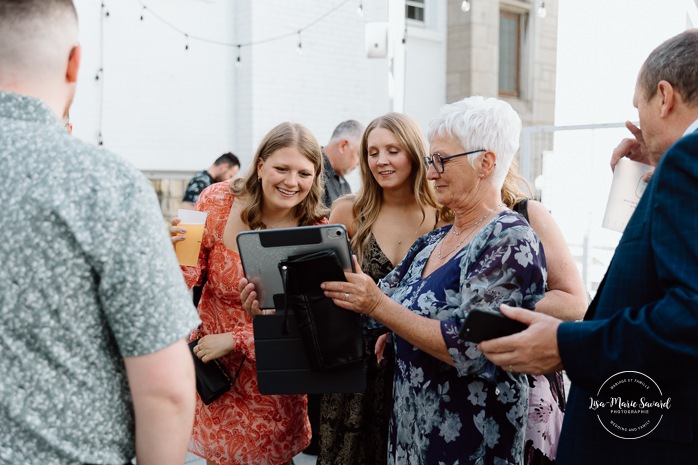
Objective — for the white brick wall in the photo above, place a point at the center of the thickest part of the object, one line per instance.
(163, 107)
(168, 109)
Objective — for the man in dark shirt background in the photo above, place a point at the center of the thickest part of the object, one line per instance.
(341, 156)
(225, 167)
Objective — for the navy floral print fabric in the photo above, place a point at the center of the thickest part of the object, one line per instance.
(473, 412)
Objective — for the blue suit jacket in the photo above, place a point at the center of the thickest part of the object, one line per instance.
(645, 318)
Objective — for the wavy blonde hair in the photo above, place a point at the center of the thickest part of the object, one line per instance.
(310, 210)
(367, 203)
(515, 186)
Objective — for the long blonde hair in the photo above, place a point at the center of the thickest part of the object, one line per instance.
(515, 186)
(368, 201)
(310, 210)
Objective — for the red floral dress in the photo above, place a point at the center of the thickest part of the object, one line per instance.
(242, 426)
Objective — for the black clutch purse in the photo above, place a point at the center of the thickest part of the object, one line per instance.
(332, 336)
(212, 380)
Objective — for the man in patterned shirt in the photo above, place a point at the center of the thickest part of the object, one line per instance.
(225, 167)
(93, 308)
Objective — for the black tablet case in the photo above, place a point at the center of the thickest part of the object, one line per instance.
(282, 364)
(262, 250)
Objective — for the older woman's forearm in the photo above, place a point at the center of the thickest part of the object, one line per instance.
(423, 333)
(360, 294)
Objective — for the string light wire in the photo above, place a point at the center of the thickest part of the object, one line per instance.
(99, 75)
(240, 44)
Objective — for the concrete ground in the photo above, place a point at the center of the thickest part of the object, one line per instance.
(300, 459)
(303, 459)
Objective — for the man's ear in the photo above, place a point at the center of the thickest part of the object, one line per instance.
(667, 96)
(71, 73)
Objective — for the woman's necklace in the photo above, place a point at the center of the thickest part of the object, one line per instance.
(268, 225)
(471, 229)
(458, 233)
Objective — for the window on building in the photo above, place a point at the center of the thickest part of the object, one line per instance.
(414, 9)
(510, 53)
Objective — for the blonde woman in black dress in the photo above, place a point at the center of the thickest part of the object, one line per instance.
(395, 206)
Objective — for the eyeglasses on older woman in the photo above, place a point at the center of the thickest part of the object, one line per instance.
(437, 161)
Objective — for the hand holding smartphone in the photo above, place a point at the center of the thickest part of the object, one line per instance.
(483, 325)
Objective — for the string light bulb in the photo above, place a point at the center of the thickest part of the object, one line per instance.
(465, 6)
(142, 12)
(299, 49)
(360, 9)
(238, 61)
(186, 44)
(542, 12)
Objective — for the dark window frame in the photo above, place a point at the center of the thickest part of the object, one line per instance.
(412, 6)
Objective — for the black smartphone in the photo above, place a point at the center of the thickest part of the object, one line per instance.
(483, 325)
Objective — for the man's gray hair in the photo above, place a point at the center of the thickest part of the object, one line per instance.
(350, 129)
(674, 61)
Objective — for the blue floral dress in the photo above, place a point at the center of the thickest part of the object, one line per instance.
(475, 412)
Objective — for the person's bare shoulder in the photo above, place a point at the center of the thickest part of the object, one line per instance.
(539, 215)
(342, 212)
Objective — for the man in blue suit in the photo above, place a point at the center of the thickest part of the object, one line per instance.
(643, 322)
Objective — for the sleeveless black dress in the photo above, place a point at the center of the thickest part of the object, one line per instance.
(354, 427)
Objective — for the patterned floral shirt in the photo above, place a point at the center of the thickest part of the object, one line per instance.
(88, 277)
(196, 186)
(475, 412)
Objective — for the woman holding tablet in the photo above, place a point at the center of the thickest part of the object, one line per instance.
(282, 189)
(395, 206)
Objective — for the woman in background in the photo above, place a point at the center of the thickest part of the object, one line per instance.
(395, 206)
(282, 189)
(565, 298)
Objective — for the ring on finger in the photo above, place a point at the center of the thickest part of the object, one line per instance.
(346, 296)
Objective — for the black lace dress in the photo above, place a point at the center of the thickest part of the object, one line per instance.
(354, 427)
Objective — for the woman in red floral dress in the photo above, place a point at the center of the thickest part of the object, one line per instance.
(282, 189)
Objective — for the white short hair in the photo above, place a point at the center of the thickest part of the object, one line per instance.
(481, 123)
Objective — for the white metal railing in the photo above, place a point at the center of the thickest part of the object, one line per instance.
(569, 167)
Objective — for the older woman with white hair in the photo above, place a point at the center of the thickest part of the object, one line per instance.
(452, 405)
